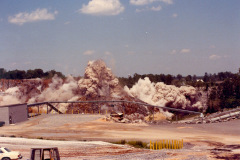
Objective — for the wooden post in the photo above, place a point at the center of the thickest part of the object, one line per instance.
(153, 113)
(168, 144)
(72, 108)
(123, 109)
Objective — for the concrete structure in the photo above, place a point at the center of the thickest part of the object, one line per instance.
(11, 114)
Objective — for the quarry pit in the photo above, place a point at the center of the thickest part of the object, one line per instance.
(90, 136)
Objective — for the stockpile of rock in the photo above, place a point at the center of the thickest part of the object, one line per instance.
(224, 116)
(121, 118)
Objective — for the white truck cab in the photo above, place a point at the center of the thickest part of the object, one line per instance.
(7, 154)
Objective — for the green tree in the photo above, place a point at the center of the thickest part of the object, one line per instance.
(206, 77)
(179, 77)
(2, 72)
(169, 79)
(188, 78)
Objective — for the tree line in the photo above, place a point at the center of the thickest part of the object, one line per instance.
(223, 88)
(224, 95)
(21, 74)
(179, 80)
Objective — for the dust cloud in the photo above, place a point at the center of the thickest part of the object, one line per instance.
(98, 83)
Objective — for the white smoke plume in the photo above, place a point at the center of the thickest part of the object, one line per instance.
(11, 96)
(161, 94)
(57, 90)
(98, 80)
(98, 83)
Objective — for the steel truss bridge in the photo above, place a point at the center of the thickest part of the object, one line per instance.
(51, 105)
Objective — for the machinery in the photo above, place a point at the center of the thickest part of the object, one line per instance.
(44, 154)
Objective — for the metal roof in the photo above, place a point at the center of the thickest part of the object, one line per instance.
(13, 105)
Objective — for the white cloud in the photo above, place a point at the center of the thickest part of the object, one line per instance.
(89, 52)
(167, 1)
(102, 7)
(158, 8)
(175, 15)
(13, 64)
(108, 53)
(185, 50)
(173, 52)
(146, 2)
(141, 2)
(28, 62)
(66, 23)
(140, 10)
(37, 15)
(131, 52)
(212, 46)
(214, 57)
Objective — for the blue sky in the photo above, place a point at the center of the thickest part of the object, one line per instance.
(131, 36)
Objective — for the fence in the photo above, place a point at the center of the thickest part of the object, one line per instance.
(40, 112)
(166, 144)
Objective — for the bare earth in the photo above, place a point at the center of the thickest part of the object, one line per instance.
(83, 137)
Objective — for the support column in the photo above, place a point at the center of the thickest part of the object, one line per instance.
(153, 113)
(72, 108)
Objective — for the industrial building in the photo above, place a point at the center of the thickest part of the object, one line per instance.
(11, 114)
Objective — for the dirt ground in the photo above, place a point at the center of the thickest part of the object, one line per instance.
(79, 134)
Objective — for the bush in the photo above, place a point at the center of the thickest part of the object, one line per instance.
(137, 144)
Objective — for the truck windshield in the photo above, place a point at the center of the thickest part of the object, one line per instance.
(8, 150)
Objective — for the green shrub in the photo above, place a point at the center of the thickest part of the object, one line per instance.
(137, 144)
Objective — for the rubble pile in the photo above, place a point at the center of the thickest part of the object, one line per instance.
(121, 118)
(221, 116)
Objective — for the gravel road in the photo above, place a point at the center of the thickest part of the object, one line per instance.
(83, 136)
(77, 150)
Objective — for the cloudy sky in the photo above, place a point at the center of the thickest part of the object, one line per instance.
(131, 36)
